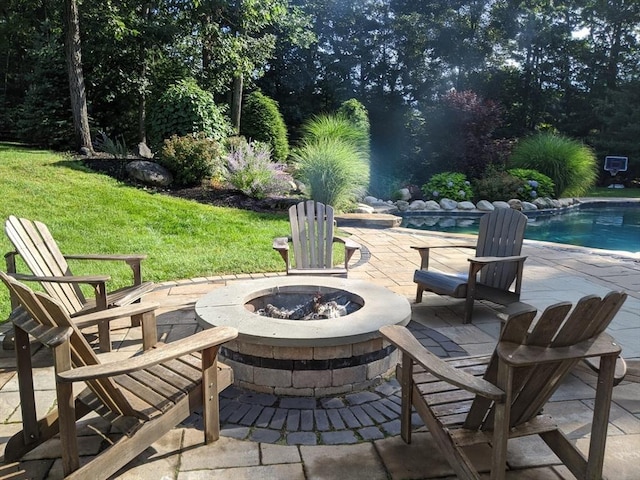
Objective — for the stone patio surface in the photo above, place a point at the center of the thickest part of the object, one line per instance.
(355, 435)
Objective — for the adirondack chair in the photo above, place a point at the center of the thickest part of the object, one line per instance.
(491, 399)
(312, 226)
(35, 245)
(143, 398)
(491, 272)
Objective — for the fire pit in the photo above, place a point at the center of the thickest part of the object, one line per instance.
(306, 335)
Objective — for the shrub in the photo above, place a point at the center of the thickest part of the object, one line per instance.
(262, 121)
(448, 185)
(498, 185)
(338, 127)
(250, 170)
(183, 109)
(357, 114)
(192, 158)
(571, 165)
(116, 148)
(333, 171)
(535, 184)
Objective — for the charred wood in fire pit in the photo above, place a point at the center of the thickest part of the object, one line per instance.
(320, 306)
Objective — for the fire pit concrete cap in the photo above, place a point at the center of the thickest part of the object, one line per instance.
(226, 306)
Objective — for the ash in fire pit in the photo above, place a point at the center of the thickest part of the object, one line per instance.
(305, 306)
(318, 307)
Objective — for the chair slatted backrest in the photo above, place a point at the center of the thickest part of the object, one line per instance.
(500, 234)
(50, 313)
(35, 244)
(312, 231)
(558, 326)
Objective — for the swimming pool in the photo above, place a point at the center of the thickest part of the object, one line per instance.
(608, 226)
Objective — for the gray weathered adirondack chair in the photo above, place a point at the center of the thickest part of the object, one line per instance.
(491, 272)
(312, 235)
(143, 398)
(35, 245)
(490, 399)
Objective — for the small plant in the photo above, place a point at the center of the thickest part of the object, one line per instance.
(333, 171)
(449, 185)
(192, 158)
(250, 170)
(534, 184)
(116, 148)
(571, 165)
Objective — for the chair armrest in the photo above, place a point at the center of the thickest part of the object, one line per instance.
(488, 260)
(281, 243)
(405, 341)
(194, 343)
(89, 279)
(114, 313)
(99, 256)
(348, 243)
(520, 355)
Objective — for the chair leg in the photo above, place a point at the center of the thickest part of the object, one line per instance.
(419, 291)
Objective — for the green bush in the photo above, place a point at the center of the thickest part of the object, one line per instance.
(250, 170)
(262, 121)
(448, 185)
(497, 184)
(357, 114)
(333, 171)
(338, 127)
(535, 184)
(571, 165)
(186, 108)
(192, 158)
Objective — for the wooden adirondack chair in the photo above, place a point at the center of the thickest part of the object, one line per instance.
(491, 272)
(312, 226)
(490, 399)
(143, 398)
(39, 251)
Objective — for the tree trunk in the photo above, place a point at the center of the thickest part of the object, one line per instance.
(236, 102)
(76, 78)
(142, 99)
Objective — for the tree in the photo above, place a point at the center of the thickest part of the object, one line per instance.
(76, 78)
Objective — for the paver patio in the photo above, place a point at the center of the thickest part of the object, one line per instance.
(352, 436)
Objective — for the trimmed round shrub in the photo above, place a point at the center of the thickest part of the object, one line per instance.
(262, 121)
(333, 171)
(534, 184)
(571, 165)
(186, 108)
(448, 185)
(192, 158)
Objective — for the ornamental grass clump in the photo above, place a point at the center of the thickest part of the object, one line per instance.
(571, 165)
(250, 170)
(333, 171)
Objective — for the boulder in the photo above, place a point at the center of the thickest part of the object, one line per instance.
(466, 206)
(404, 194)
(431, 205)
(485, 206)
(448, 204)
(528, 206)
(149, 173)
(417, 205)
(516, 204)
(501, 204)
(362, 208)
(402, 205)
(143, 151)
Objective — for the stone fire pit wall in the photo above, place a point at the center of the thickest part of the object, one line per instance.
(306, 357)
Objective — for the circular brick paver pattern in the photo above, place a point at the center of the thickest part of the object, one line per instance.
(346, 419)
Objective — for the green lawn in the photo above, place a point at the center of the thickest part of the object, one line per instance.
(614, 192)
(93, 213)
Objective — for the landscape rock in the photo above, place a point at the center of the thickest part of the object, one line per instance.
(405, 194)
(528, 206)
(501, 204)
(431, 205)
(448, 204)
(362, 208)
(417, 205)
(149, 173)
(516, 204)
(144, 151)
(402, 205)
(466, 206)
(485, 206)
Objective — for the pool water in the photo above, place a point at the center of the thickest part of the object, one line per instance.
(608, 228)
